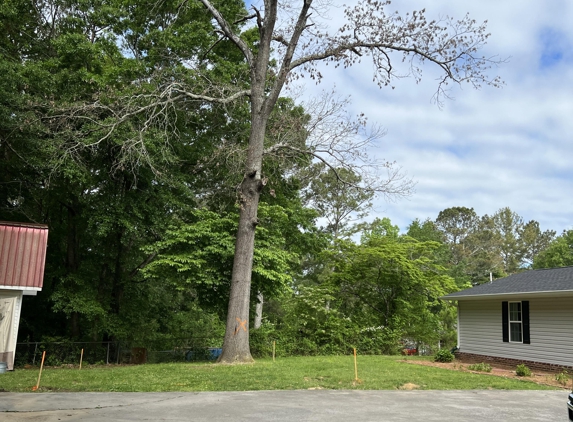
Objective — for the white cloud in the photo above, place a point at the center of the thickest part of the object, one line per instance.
(490, 148)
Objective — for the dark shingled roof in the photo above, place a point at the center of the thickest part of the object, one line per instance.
(550, 280)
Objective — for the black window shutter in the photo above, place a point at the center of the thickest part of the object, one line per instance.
(505, 320)
(525, 320)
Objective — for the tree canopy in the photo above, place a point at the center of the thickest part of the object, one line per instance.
(158, 143)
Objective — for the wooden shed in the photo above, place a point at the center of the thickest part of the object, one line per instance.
(22, 260)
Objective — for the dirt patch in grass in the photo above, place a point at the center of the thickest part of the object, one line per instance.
(409, 386)
(538, 377)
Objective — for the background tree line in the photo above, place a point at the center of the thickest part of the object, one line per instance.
(136, 177)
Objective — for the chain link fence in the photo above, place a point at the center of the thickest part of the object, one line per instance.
(69, 352)
(59, 353)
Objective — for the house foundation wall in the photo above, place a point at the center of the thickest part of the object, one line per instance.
(540, 366)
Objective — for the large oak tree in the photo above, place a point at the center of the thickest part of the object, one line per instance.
(289, 36)
(176, 80)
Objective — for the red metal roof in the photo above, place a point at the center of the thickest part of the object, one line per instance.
(22, 255)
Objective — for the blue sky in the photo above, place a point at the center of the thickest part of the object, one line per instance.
(485, 149)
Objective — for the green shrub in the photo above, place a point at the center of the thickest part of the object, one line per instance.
(444, 355)
(261, 340)
(522, 371)
(562, 378)
(481, 367)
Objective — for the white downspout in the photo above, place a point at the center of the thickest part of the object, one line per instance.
(459, 328)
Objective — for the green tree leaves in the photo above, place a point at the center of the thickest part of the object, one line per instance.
(559, 253)
(394, 282)
(500, 244)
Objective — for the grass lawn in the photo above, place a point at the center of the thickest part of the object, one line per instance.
(323, 372)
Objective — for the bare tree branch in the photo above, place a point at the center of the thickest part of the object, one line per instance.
(449, 44)
(288, 55)
(226, 27)
(142, 113)
(338, 140)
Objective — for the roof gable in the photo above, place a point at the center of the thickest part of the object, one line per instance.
(22, 255)
(543, 281)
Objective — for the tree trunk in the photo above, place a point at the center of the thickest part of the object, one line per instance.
(236, 342)
(72, 244)
(72, 260)
(75, 325)
(259, 311)
(117, 288)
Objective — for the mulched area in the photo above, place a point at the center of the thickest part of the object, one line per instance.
(539, 377)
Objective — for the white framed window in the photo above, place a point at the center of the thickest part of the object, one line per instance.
(515, 322)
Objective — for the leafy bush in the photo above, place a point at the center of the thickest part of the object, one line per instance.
(523, 371)
(444, 355)
(261, 340)
(481, 367)
(562, 378)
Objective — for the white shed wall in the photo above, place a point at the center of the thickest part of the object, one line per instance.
(551, 329)
(10, 308)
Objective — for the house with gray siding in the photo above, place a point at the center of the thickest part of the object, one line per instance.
(524, 318)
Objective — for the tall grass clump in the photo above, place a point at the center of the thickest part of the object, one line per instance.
(481, 367)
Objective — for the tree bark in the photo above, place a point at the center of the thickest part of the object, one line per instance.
(75, 325)
(72, 259)
(236, 342)
(259, 311)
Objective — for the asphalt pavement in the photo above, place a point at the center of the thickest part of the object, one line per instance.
(279, 406)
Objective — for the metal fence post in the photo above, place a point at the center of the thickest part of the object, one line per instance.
(35, 350)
